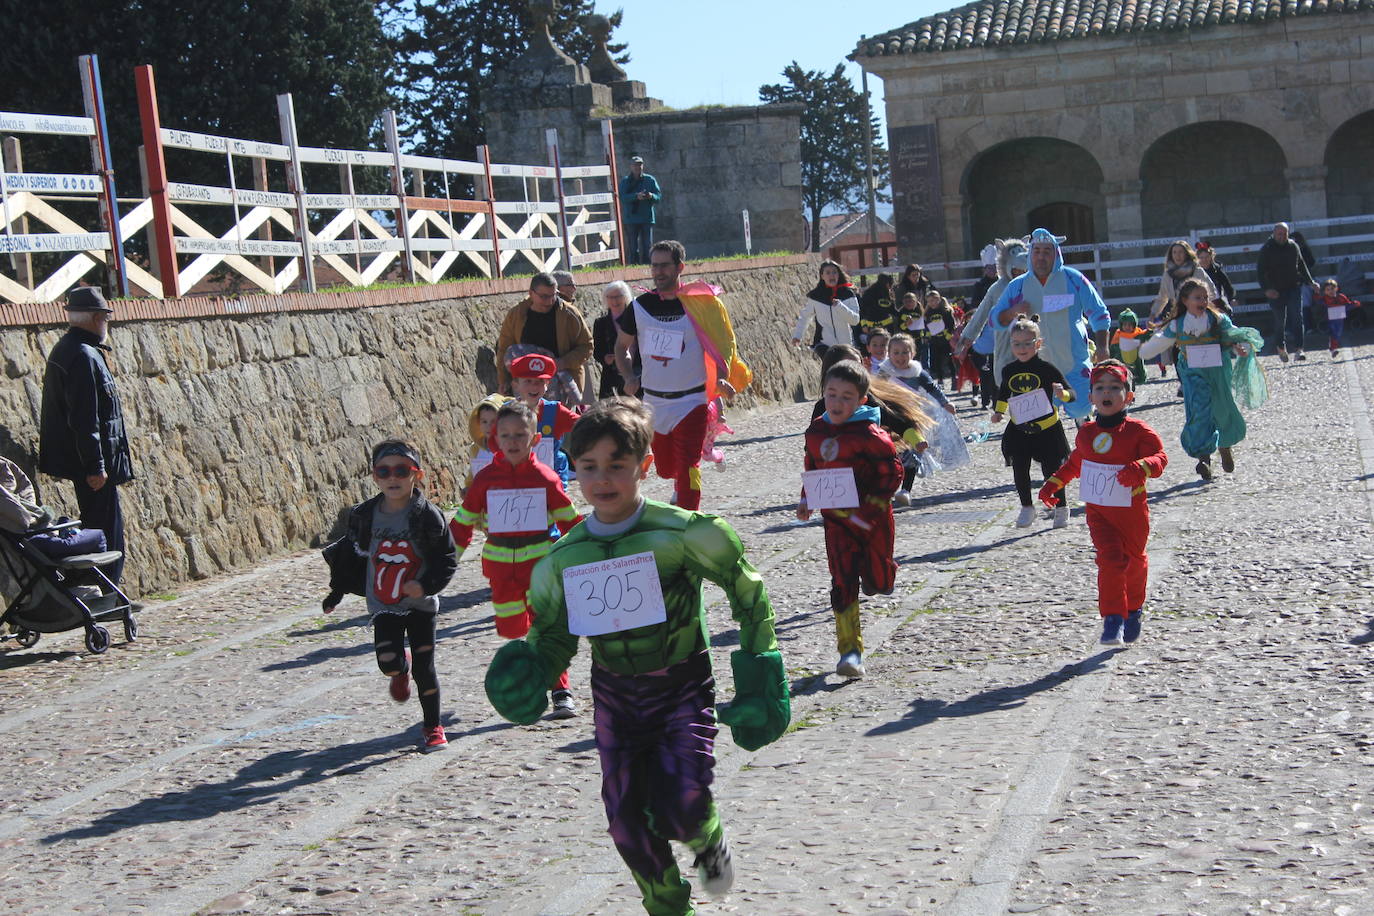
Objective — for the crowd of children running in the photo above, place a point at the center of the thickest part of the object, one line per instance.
(891, 357)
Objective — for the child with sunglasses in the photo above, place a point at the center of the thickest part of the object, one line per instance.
(398, 554)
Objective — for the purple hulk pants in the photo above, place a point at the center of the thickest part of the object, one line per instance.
(656, 737)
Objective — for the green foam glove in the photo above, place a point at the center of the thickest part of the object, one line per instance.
(517, 686)
(762, 707)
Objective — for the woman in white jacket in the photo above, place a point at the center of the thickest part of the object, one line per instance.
(835, 307)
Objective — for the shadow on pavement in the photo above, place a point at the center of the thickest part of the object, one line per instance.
(1179, 489)
(924, 712)
(958, 496)
(727, 444)
(258, 783)
(18, 658)
(953, 553)
(1365, 637)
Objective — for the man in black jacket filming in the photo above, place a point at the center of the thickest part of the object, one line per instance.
(81, 432)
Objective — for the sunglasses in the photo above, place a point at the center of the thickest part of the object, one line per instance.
(400, 472)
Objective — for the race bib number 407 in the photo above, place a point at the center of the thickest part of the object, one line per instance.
(613, 595)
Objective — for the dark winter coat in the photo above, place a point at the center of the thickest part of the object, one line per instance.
(81, 425)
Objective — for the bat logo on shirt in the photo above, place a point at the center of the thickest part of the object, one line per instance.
(1022, 382)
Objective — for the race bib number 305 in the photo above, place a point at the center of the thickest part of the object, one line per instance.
(510, 511)
(613, 595)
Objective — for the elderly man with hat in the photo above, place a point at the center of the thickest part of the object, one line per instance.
(81, 429)
(639, 197)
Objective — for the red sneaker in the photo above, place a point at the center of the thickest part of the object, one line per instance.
(400, 684)
(434, 740)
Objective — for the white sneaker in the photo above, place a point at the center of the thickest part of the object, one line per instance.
(1061, 516)
(901, 499)
(563, 706)
(1026, 517)
(851, 665)
(715, 869)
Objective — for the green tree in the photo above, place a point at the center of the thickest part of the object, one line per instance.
(449, 51)
(834, 171)
(219, 65)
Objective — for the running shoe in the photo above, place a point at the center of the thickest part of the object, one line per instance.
(716, 869)
(1111, 630)
(434, 739)
(400, 683)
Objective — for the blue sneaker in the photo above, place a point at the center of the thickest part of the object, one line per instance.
(1131, 631)
(1111, 630)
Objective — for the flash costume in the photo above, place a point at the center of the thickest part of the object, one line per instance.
(1119, 533)
(858, 542)
(652, 685)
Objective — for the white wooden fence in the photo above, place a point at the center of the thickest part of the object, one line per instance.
(303, 209)
(1127, 273)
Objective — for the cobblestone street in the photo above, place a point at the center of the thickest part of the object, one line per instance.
(243, 756)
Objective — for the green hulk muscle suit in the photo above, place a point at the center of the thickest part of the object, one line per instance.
(652, 686)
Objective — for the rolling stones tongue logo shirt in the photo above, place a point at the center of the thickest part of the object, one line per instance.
(393, 560)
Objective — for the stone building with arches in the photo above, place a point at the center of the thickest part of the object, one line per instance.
(1108, 120)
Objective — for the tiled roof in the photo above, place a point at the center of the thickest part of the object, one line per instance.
(1003, 23)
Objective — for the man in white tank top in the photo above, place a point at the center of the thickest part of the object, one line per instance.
(674, 372)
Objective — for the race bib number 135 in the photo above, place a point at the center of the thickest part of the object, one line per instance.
(613, 595)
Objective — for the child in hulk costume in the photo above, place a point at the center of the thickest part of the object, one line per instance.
(652, 686)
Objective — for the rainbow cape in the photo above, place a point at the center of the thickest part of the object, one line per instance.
(712, 323)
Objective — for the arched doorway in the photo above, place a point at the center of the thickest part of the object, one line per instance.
(1217, 173)
(1350, 167)
(1075, 221)
(1012, 180)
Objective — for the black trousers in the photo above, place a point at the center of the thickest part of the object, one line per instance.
(100, 509)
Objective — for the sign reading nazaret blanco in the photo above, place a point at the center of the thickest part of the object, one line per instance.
(917, 208)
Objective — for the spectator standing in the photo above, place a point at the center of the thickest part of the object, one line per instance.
(639, 197)
(913, 281)
(877, 309)
(617, 296)
(81, 430)
(1226, 293)
(543, 323)
(1282, 273)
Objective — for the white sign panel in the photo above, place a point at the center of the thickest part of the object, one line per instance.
(247, 247)
(830, 488)
(1335, 313)
(1203, 356)
(613, 595)
(661, 343)
(1098, 485)
(41, 182)
(208, 143)
(512, 511)
(53, 241)
(1029, 406)
(19, 123)
(208, 194)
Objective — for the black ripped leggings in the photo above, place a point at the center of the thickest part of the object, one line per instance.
(390, 633)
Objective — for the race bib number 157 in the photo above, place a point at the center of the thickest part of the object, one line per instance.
(613, 595)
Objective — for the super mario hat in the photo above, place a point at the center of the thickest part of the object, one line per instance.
(532, 365)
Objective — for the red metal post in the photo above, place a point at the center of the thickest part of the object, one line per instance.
(157, 182)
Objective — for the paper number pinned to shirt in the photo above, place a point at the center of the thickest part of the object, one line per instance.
(511, 511)
(1029, 406)
(1055, 303)
(1203, 356)
(480, 461)
(830, 488)
(546, 451)
(1099, 486)
(936, 327)
(661, 343)
(613, 595)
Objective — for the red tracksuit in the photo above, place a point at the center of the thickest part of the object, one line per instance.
(508, 558)
(858, 542)
(1119, 532)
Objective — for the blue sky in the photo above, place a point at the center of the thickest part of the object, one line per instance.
(746, 43)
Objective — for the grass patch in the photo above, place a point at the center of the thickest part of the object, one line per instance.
(161, 596)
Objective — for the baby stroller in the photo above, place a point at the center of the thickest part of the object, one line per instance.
(56, 595)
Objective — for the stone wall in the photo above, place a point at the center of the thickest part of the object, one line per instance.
(250, 421)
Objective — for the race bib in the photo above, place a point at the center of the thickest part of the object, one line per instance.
(613, 595)
(1099, 486)
(1128, 344)
(1029, 406)
(1056, 303)
(511, 511)
(662, 343)
(916, 324)
(546, 450)
(1203, 356)
(936, 327)
(1335, 313)
(831, 488)
(480, 461)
